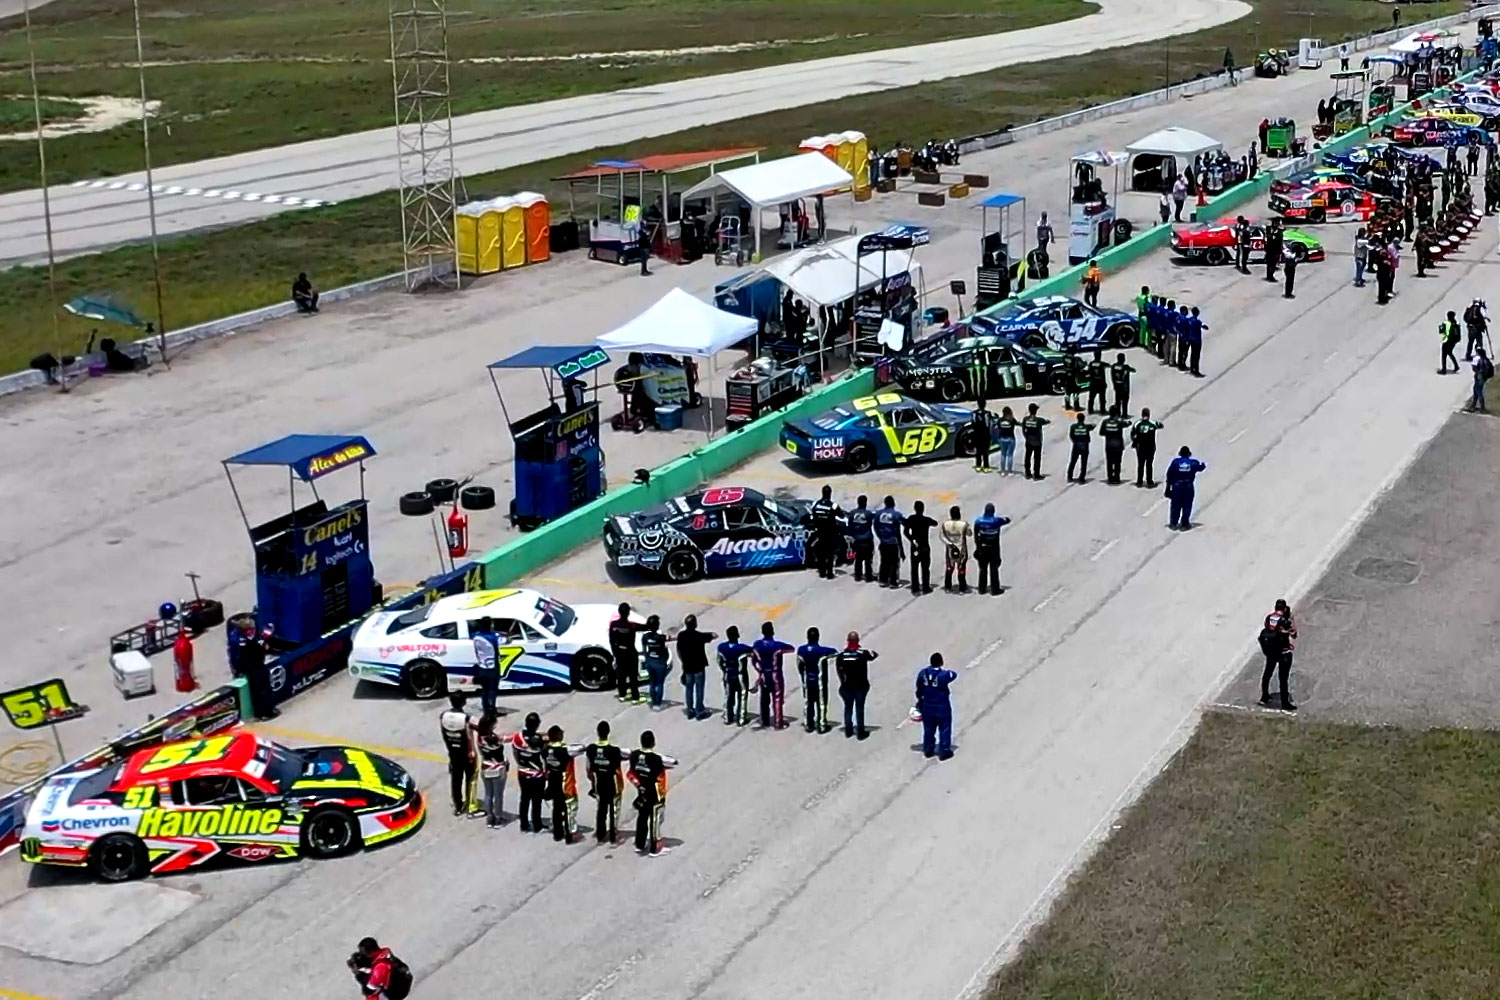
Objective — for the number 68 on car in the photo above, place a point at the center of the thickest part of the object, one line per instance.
(882, 430)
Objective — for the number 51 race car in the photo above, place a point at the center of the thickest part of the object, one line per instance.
(235, 798)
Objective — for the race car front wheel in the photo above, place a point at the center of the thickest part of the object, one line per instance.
(593, 670)
(1316, 215)
(965, 444)
(119, 857)
(683, 565)
(423, 679)
(860, 458)
(328, 833)
(1124, 335)
(1217, 256)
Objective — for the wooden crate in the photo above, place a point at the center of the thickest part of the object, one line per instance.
(932, 199)
(958, 190)
(977, 180)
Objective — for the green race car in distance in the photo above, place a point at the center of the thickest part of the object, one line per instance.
(1213, 242)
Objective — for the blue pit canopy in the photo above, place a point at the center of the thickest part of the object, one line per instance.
(565, 361)
(1000, 200)
(309, 456)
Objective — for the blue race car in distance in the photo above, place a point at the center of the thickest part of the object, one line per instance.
(1061, 323)
(882, 430)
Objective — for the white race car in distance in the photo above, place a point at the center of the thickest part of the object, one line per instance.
(544, 644)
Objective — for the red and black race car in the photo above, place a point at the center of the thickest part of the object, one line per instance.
(1322, 200)
(1435, 131)
(1213, 242)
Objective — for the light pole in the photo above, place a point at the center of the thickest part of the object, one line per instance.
(41, 158)
(140, 65)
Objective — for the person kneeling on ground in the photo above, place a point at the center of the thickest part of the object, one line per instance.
(304, 294)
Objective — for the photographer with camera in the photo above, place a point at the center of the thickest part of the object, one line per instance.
(380, 974)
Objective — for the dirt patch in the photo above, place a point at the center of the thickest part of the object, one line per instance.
(99, 115)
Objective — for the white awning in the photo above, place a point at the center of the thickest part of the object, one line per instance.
(825, 275)
(679, 323)
(1182, 143)
(776, 181)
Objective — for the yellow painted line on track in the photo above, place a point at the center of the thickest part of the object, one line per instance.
(16, 995)
(323, 738)
(770, 610)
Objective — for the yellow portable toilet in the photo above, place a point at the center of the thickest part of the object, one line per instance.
(512, 233)
(489, 238)
(845, 151)
(466, 236)
(538, 225)
(861, 157)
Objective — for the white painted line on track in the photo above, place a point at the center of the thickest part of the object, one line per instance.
(1047, 600)
(1330, 357)
(1269, 407)
(1239, 435)
(1107, 546)
(1154, 507)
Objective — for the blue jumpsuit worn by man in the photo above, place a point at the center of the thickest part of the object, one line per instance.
(862, 539)
(1180, 487)
(888, 533)
(486, 667)
(812, 664)
(936, 706)
(768, 652)
(987, 549)
(734, 665)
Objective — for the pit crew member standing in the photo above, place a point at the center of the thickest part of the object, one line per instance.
(812, 664)
(526, 748)
(1278, 637)
(1031, 432)
(1005, 437)
(936, 705)
(862, 539)
(980, 429)
(824, 515)
(606, 784)
(493, 768)
(1475, 323)
(853, 667)
(627, 662)
(918, 529)
(1181, 476)
(654, 651)
(458, 739)
(955, 534)
(486, 666)
(562, 784)
(1242, 245)
(1119, 377)
(1097, 370)
(888, 533)
(1196, 326)
(1078, 434)
(692, 656)
(1143, 440)
(648, 773)
(987, 548)
(770, 676)
(734, 664)
(1112, 429)
(1448, 330)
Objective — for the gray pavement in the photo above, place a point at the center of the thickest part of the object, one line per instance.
(1400, 630)
(233, 189)
(802, 866)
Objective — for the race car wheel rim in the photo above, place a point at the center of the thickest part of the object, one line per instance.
(861, 458)
(425, 679)
(117, 859)
(952, 390)
(593, 671)
(330, 833)
(682, 566)
(1126, 336)
(1217, 255)
(965, 442)
(1316, 215)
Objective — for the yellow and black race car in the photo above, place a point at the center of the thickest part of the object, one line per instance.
(230, 798)
(882, 430)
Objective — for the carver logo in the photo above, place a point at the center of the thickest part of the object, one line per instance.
(733, 547)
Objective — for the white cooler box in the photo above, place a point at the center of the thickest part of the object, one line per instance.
(132, 673)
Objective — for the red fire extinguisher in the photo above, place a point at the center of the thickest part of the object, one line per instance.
(458, 533)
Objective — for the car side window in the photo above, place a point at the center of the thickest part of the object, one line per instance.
(742, 517)
(703, 520)
(210, 790)
(509, 630)
(1074, 311)
(447, 630)
(250, 793)
(905, 417)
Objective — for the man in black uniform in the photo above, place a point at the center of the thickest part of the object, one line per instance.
(606, 783)
(1097, 369)
(1119, 377)
(1273, 248)
(1112, 429)
(825, 531)
(622, 632)
(458, 739)
(1031, 433)
(1143, 440)
(648, 773)
(1289, 266)
(980, 429)
(1078, 434)
(987, 548)
(1242, 245)
(527, 748)
(862, 539)
(917, 527)
(853, 668)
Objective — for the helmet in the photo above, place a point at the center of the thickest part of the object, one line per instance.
(167, 611)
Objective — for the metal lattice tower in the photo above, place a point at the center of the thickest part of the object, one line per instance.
(424, 141)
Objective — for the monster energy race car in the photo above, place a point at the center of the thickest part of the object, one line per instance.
(986, 365)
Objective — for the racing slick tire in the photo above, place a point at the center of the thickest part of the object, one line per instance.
(952, 390)
(593, 670)
(1217, 256)
(1057, 382)
(417, 504)
(965, 444)
(1124, 228)
(1123, 335)
(683, 565)
(1316, 215)
(119, 857)
(442, 490)
(476, 498)
(860, 457)
(423, 679)
(202, 614)
(1033, 339)
(330, 833)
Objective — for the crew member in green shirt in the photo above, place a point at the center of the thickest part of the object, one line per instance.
(1112, 429)
(1079, 433)
(1143, 440)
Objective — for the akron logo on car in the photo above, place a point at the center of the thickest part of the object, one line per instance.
(733, 547)
(229, 821)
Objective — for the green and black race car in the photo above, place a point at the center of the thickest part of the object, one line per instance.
(987, 365)
(882, 430)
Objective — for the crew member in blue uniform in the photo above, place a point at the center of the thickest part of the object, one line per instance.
(888, 533)
(826, 537)
(987, 549)
(812, 664)
(734, 665)
(1180, 487)
(862, 538)
(936, 706)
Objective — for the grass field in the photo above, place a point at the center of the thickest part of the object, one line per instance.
(18, 115)
(215, 274)
(233, 76)
(1278, 860)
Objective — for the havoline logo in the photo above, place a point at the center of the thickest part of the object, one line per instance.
(734, 547)
(225, 821)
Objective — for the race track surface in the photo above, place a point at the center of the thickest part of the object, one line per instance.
(802, 866)
(90, 217)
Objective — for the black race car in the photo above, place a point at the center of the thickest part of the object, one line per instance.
(989, 364)
(724, 529)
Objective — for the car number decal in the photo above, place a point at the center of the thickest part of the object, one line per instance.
(871, 402)
(722, 495)
(506, 657)
(193, 752)
(915, 441)
(140, 797)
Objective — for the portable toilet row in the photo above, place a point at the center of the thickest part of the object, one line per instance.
(849, 150)
(503, 233)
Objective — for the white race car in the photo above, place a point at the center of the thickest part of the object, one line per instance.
(543, 644)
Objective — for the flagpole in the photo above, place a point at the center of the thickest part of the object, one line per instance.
(41, 156)
(140, 65)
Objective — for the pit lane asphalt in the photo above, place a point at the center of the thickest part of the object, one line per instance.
(805, 865)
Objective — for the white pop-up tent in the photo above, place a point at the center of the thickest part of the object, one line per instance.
(679, 323)
(827, 275)
(773, 183)
(1164, 153)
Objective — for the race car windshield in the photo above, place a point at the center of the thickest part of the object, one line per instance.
(415, 616)
(829, 421)
(554, 616)
(651, 515)
(94, 786)
(283, 766)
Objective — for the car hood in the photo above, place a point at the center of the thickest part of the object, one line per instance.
(1302, 237)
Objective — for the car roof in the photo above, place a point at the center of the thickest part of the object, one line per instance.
(232, 760)
(508, 601)
(747, 497)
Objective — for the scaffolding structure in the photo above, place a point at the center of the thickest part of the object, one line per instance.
(424, 141)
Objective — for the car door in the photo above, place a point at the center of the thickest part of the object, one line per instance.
(747, 539)
(515, 643)
(1003, 372)
(1258, 242)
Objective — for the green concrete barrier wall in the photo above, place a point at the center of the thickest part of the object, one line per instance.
(556, 539)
